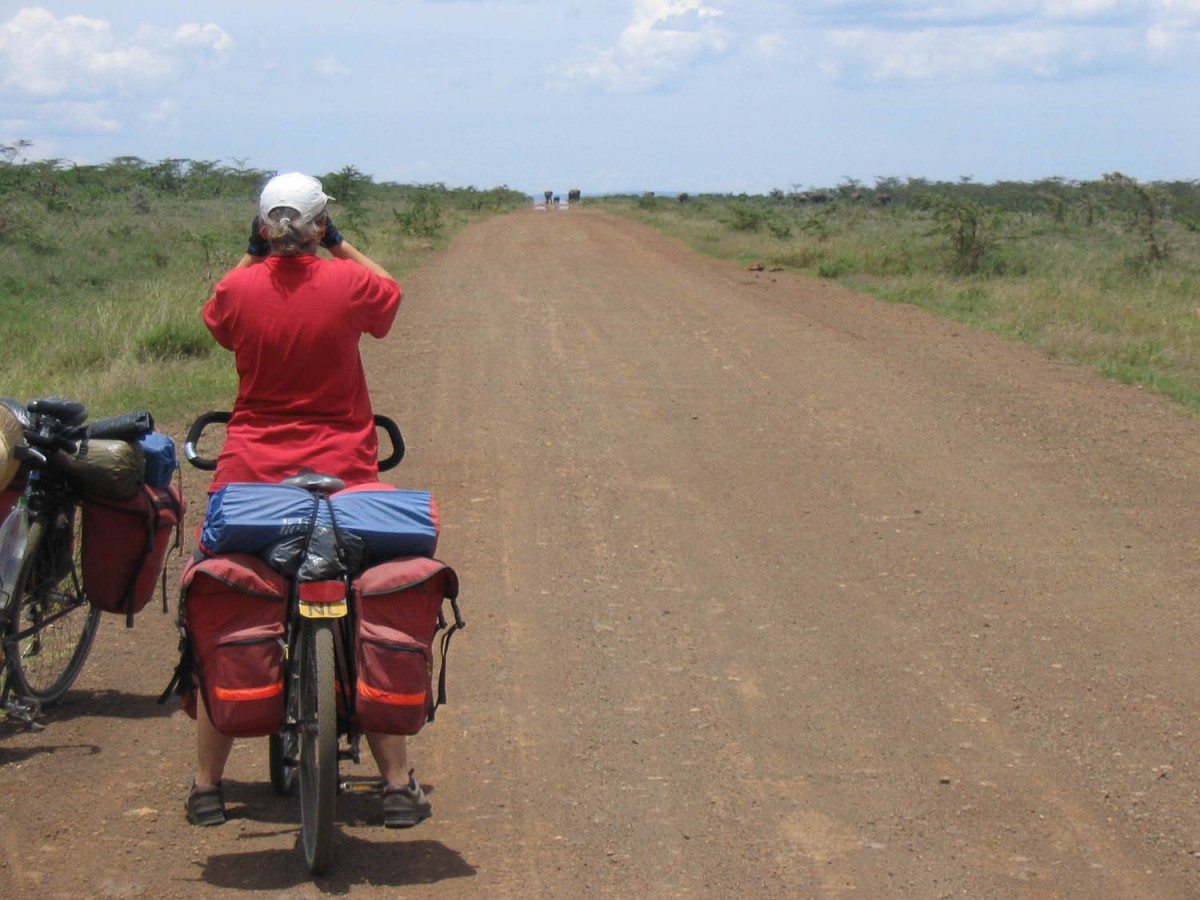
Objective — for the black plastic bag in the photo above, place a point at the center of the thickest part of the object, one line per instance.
(325, 555)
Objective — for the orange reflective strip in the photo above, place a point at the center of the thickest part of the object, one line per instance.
(258, 693)
(371, 693)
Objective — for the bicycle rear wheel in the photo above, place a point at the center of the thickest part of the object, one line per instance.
(318, 742)
(52, 626)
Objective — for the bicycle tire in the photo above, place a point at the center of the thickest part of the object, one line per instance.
(283, 748)
(318, 742)
(52, 626)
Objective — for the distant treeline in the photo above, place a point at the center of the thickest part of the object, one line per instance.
(58, 183)
(1059, 197)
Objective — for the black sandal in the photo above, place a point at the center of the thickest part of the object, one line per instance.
(206, 805)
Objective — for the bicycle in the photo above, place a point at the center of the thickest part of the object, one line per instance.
(318, 668)
(47, 625)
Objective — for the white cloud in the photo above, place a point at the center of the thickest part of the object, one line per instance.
(664, 38)
(1006, 39)
(203, 36)
(331, 67)
(1178, 15)
(770, 46)
(165, 112)
(960, 53)
(45, 56)
(90, 118)
(1079, 9)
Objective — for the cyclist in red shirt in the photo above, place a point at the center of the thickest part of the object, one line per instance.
(293, 320)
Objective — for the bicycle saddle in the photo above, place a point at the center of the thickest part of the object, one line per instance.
(316, 483)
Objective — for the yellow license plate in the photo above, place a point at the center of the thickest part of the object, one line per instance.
(335, 610)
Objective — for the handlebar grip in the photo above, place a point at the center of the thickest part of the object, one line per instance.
(392, 430)
(190, 453)
(51, 443)
(127, 427)
(222, 417)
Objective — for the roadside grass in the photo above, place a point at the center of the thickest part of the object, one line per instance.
(1102, 291)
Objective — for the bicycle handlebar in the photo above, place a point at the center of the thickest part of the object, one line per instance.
(212, 417)
(222, 417)
(392, 430)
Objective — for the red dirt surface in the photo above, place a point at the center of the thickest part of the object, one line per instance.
(772, 590)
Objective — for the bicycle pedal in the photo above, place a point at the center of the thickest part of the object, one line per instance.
(361, 787)
(24, 714)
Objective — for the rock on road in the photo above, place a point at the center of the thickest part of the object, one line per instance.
(772, 590)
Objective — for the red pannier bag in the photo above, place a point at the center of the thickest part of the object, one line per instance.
(125, 544)
(398, 605)
(233, 608)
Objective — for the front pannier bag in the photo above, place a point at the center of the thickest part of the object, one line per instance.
(399, 608)
(233, 610)
(125, 544)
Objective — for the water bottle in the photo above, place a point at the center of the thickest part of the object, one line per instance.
(14, 535)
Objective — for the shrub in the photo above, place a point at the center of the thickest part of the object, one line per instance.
(422, 218)
(836, 268)
(175, 340)
(968, 229)
(746, 218)
(778, 229)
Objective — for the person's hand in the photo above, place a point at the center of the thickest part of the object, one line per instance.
(332, 237)
(257, 245)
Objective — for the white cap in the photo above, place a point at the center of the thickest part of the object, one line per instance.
(302, 193)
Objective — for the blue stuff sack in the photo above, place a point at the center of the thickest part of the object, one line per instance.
(391, 522)
(161, 461)
(246, 518)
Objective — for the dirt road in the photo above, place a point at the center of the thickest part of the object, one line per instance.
(772, 590)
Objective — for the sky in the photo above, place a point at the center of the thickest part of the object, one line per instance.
(720, 96)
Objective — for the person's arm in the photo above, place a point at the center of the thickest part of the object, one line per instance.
(339, 247)
(345, 250)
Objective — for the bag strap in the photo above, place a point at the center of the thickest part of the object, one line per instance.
(444, 641)
(150, 517)
(178, 543)
(182, 675)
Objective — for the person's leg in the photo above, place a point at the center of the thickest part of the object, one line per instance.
(206, 799)
(212, 748)
(404, 803)
(391, 755)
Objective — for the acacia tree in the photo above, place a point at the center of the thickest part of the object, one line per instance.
(964, 222)
(1145, 214)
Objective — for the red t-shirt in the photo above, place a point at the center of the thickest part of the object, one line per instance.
(293, 324)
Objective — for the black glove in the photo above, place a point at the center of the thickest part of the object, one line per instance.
(333, 237)
(258, 245)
